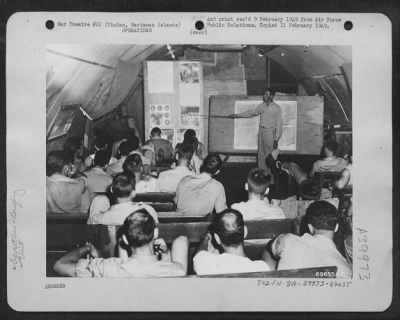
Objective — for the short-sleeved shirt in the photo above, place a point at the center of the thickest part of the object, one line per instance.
(117, 213)
(97, 180)
(118, 268)
(199, 195)
(162, 148)
(66, 195)
(270, 115)
(258, 210)
(211, 263)
(168, 180)
(116, 167)
(329, 165)
(309, 251)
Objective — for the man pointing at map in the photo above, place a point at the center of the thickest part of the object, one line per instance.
(270, 127)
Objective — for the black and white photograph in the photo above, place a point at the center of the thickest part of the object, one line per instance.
(251, 188)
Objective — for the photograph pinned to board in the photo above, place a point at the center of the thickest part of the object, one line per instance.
(190, 116)
(189, 72)
(160, 115)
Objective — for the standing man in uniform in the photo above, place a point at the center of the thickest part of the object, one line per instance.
(270, 128)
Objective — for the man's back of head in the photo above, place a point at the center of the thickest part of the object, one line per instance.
(189, 133)
(55, 162)
(184, 154)
(212, 164)
(330, 148)
(133, 163)
(322, 216)
(101, 158)
(258, 180)
(138, 228)
(155, 132)
(124, 149)
(123, 184)
(229, 227)
(100, 143)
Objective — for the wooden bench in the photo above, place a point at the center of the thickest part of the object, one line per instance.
(321, 272)
(64, 232)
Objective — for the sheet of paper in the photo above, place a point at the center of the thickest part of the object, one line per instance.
(160, 76)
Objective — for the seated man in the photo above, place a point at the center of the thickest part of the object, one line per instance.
(143, 182)
(258, 207)
(201, 194)
(135, 146)
(100, 143)
(139, 234)
(312, 250)
(123, 151)
(168, 180)
(64, 194)
(123, 192)
(162, 148)
(97, 178)
(200, 150)
(330, 163)
(227, 232)
(73, 147)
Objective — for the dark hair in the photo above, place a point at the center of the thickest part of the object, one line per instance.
(132, 163)
(309, 190)
(192, 142)
(211, 164)
(139, 228)
(134, 142)
(229, 226)
(322, 215)
(258, 180)
(155, 131)
(331, 145)
(272, 91)
(124, 148)
(55, 161)
(123, 184)
(189, 133)
(100, 142)
(101, 158)
(185, 151)
(72, 144)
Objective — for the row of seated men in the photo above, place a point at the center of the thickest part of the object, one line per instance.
(142, 254)
(196, 193)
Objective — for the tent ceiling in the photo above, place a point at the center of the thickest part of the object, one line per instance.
(77, 73)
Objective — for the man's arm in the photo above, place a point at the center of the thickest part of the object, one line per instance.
(278, 124)
(343, 180)
(220, 203)
(65, 266)
(248, 114)
(180, 252)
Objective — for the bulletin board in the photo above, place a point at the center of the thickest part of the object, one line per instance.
(302, 130)
(173, 98)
